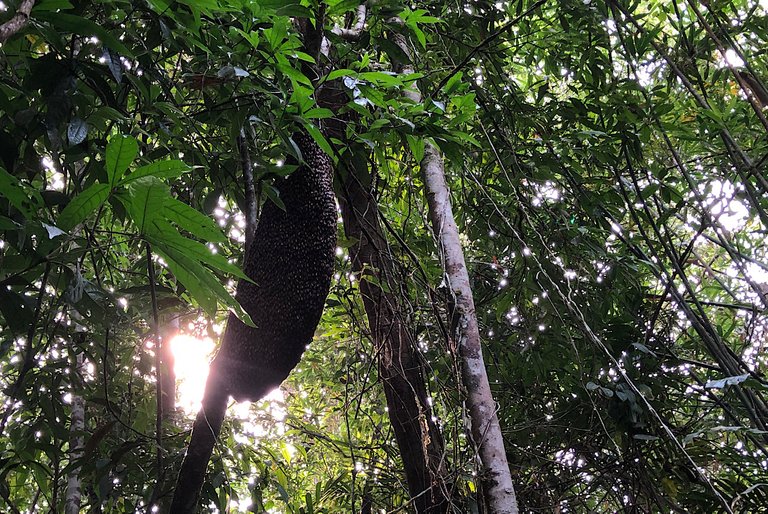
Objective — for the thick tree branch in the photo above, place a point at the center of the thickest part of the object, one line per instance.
(353, 33)
(19, 20)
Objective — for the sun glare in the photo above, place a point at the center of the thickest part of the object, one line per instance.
(192, 356)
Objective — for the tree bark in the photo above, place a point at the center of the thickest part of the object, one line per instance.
(76, 427)
(495, 477)
(400, 365)
(18, 21)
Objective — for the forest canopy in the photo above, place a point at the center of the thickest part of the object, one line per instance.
(606, 163)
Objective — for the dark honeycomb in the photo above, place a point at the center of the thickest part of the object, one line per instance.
(291, 263)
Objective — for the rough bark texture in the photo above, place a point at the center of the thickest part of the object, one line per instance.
(18, 21)
(76, 428)
(496, 478)
(400, 365)
(401, 368)
(486, 432)
(291, 263)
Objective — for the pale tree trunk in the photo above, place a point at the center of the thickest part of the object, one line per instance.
(167, 373)
(486, 431)
(495, 476)
(76, 428)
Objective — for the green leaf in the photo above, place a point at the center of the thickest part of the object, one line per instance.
(121, 151)
(8, 224)
(341, 73)
(416, 145)
(192, 220)
(274, 196)
(382, 79)
(191, 275)
(82, 205)
(160, 169)
(145, 202)
(16, 309)
(453, 83)
(51, 5)
(11, 189)
(318, 113)
(293, 74)
(319, 138)
(198, 280)
(342, 6)
(172, 239)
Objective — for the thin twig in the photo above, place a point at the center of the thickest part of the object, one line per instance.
(484, 43)
(160, 472)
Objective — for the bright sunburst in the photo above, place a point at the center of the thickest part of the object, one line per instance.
(192, 356)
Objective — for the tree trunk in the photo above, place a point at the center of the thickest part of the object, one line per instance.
(168, 375)
(400, 365)
(496, 478)
(76, 428)
(486, 432)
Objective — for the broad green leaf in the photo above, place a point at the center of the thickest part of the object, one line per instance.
(191, 275)
(194, 249)
(121, 151)
(341, 73)
(382, 79)
(82, 205)
(11, 188)
(453, 83)
(274, 196)
(318, 113)
(159, 169)
(17, 310)
(294, 74)
(319, 138)
(416, 145)
(199, 280)
(294, 9)
(343, 6)
(192, 220)
(145, 202)
(8, 224)
(51, 5)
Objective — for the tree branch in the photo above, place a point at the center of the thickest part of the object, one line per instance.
(353, 33)
(19, 20)
(484, 43)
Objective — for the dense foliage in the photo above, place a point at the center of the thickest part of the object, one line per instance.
(607, 162)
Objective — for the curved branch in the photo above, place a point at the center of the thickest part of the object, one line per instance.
(353, 33)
